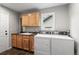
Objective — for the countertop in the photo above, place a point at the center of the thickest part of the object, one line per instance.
(23, 34)
(54, 36)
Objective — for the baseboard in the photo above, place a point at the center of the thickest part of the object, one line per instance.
(5, 49)
(9, 48)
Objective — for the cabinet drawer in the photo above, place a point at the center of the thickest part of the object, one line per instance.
(24, 37)
(14, 36)
(32, 37)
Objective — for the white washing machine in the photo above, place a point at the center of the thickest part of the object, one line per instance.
(53, 45)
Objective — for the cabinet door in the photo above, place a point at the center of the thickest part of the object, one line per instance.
(31, 43)
(19, 41)
(37, 19)
(14, 37)
(25, 20)
(26, 42)
(32, 19)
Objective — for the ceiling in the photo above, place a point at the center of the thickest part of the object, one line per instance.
(20, 7)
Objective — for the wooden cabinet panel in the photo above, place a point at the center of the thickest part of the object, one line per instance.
(31, 19)
(25, 20)
(14, 36)
(34, 19)
(26, 42)
(31, 43)
(19, 41)
(26, 36)
(14, 40)
(37, 20)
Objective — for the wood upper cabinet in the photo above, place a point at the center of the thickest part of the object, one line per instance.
(37, 19)
(25, 20)
(14, 40)
(31, 19)
(34, 19)
(31, 43)
(26, 42)
(19, 41)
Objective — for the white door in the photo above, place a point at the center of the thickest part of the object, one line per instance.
(4, 31)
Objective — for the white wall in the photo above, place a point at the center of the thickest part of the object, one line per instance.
(61, 17)
(13, 21)
(74, 19)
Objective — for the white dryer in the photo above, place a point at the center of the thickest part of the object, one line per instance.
(53, 45)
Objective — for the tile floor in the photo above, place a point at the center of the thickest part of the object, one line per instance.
(15, 51)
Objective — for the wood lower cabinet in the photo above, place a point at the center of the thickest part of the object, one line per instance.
(25, 42)
(19, 41)
(31, 43)
(14, 40)
(37, 20)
